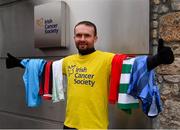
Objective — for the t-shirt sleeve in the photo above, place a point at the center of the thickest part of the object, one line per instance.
(109, 61)
(64, 66)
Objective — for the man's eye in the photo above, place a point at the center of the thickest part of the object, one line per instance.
(78, 35)
(87, 35)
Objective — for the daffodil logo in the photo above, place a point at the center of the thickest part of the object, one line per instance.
(71, 69)
(40, 22)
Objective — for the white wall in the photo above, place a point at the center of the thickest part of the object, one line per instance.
(123, 25)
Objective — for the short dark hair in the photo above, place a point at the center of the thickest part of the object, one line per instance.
(88, 23)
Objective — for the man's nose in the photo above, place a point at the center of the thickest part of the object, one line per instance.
(82, 38)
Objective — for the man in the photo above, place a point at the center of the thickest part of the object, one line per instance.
(88, 80)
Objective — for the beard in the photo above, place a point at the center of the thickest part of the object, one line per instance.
(85, 51)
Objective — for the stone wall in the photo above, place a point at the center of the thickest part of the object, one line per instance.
(165, 23)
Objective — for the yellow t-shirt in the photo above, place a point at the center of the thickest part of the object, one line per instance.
(87, 90)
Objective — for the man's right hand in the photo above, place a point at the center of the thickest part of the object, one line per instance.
(12, 62)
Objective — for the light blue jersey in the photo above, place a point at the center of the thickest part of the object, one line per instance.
(31, 77)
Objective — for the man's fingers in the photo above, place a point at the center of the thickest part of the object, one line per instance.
(169, 56)
(10, 56)
(160, 44)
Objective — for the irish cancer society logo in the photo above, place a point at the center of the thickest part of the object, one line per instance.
(48, 25)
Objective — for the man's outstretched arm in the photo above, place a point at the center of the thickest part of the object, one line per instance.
(164, 56)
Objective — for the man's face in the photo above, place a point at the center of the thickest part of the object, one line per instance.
(84, 37)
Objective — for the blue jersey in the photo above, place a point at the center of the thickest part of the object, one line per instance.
(31, 77)
(143, 86)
